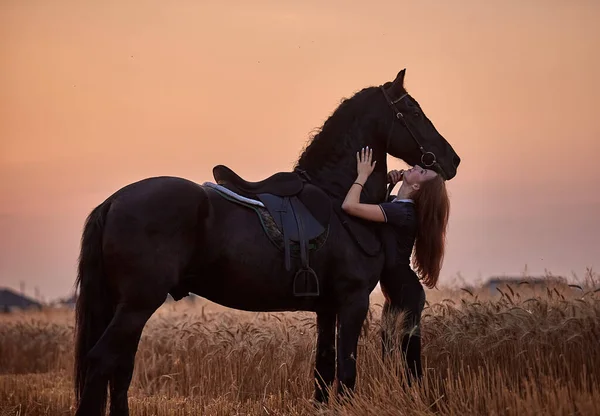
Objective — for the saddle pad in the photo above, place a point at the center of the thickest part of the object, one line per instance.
(233, 194)
(276, 236)
(269, 225)
(285, 210)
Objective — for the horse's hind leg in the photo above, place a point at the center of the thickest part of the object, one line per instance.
(113, 356)
(132, 325)
(325, 357)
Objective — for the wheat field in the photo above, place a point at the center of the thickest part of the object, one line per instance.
(521, 352)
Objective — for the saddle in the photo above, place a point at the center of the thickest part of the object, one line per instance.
(301, 211)
(280, 184)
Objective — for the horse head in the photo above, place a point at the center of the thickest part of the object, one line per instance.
(410, 135)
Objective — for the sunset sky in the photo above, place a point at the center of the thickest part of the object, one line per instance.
(97, 94)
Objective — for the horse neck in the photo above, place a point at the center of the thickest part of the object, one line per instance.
(330, 159)
(337, 176)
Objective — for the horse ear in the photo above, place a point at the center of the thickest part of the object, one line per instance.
(400, 77)
(397, 87)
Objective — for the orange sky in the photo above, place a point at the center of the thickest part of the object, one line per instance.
(95, 95)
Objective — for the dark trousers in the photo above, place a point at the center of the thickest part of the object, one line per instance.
(403, 293)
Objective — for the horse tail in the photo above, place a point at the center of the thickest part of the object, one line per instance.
(93, 311)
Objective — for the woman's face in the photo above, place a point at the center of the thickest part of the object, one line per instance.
(417, 175)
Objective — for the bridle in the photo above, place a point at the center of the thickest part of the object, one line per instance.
(424, 154)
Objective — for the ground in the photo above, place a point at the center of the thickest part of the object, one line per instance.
(517, 353)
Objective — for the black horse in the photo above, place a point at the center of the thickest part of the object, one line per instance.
(170, 235)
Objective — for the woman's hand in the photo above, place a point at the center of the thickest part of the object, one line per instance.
(352, 205)
(395, 176)
(365, 163)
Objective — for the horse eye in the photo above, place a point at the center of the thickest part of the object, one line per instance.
(417, 114)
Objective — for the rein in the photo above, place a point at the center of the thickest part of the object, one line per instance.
(424, 154)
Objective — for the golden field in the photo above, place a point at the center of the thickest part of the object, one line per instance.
(521, 352)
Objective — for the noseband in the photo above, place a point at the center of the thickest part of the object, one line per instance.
(434, 163)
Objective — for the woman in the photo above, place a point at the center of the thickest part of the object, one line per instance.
(418, 216)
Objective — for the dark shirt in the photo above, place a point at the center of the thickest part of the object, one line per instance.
(401, 215)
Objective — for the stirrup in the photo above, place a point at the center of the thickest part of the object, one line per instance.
(305, 280)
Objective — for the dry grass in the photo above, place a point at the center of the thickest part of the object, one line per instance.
(517, 354)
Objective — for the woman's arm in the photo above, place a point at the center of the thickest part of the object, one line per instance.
(352, 204)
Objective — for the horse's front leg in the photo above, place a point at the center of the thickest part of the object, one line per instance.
(351, 317)
(325, 357)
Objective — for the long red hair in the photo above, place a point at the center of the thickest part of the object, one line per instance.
(433, 209)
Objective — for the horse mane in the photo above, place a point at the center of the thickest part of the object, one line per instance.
(340, 130)
(330, 142)
(328, 158)
(327, 143)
